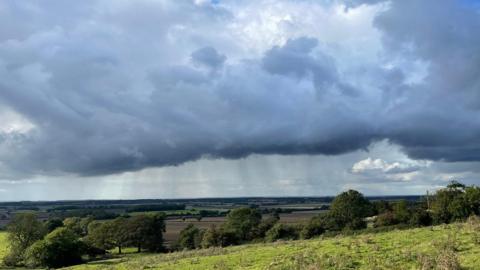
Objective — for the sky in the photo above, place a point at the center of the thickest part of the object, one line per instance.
(117, 99)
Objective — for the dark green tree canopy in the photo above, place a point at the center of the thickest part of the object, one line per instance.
(242, 222)
(190, 238)
(349, 209)
(61, 247)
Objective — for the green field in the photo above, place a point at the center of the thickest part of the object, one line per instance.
(399, 249)
(3, 244)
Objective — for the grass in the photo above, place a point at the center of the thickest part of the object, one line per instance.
(3, 245)
(398, 249)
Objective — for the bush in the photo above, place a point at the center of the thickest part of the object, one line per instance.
(385, 219)
(265, 225)
(281, 232)
(381, 207)
(227, 238)
(473, 225)
(420, 217)
(211, 238)
(401, 212)
(313, 228)
(59, 248)
(455, 202)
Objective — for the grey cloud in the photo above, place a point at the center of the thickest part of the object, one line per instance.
(437, 121)
(209, 57)
(110, 91)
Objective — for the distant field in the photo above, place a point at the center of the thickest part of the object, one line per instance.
(389, 250)
(169, 212)
(174, 226)
(3, 244)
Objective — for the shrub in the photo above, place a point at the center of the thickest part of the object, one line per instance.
(211, 238)
(281, 232)
(473, 225)
(227, 238)
(420, 217)
(385, 219)
(265, 225)
(313, 228)
(381, 207)
(445, 259)
(401, 212)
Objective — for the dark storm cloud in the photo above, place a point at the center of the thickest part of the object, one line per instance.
(110, 91)
(439, 119)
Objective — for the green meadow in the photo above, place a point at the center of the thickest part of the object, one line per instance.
(419, 248)
(3, 244)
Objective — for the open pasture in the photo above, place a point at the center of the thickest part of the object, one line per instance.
(398, 249)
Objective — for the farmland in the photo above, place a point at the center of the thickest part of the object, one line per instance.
(186, 211)
(398, 249)
(174, 226)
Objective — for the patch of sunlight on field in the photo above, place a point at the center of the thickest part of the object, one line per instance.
(3, 245)
(399, 249)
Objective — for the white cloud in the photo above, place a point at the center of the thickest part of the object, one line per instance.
(380, 165)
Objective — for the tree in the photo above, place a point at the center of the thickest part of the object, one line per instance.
(52, 224)
(23, 231)
(154, 237)
(146, 231)
(61, 247)
(99, 235)
(448, 203)
(138, 228)
(472, 198)
(211, 238)
(117, 231)
(265, 225)
(349, 209)
(78, 225)
(242, 222)
(73, 224)
(401, 212)
(189, 238)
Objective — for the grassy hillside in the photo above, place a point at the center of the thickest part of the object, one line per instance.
(407, 249)
(3, 244)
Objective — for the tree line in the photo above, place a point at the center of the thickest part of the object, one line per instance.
(350, 211)
(57, 243)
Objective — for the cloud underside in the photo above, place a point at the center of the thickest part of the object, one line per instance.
(94, 88)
